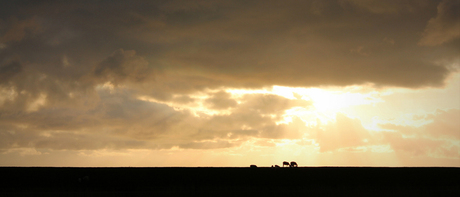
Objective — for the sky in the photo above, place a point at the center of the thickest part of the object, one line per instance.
(230, 83)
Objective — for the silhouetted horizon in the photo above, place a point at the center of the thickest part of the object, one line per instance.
(241, 180)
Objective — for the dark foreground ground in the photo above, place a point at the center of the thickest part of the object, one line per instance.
(305, 181)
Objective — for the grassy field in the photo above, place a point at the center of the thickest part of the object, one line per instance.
(353, 181)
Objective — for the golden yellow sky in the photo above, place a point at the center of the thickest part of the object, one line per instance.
(230, 83)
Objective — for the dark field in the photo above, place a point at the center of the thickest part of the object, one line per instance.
(316, 181)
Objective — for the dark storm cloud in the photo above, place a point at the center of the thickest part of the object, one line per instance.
(445, 26)
(386, 7)
(209, 44)
(9, 70)
(14, 30)
(123, 66)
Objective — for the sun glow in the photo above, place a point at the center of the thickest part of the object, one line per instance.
(325, 103)
(362, 104)
(328, 100)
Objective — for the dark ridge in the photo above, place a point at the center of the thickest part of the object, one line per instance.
(361, 181)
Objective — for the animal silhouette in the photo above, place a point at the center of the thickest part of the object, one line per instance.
(286, 163)
(293, 164)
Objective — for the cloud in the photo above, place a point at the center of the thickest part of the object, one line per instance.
(445, 27)
(445, 124)
(220, 100)
(292, 130)
(214, 44)
(123, 66)
(208, 145)
(442, 125)
(13, 138)
(386, 7)
(26, 84)
(72, 73)
(15, 30)
(434, 138)
(118, 120)
(344, 133)
(9, 70)
(419, 146)
(270, 104)
(256, 115)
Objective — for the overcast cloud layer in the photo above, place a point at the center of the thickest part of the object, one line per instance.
(72, 72)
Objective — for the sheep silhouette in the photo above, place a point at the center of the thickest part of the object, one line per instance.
(285, 163)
